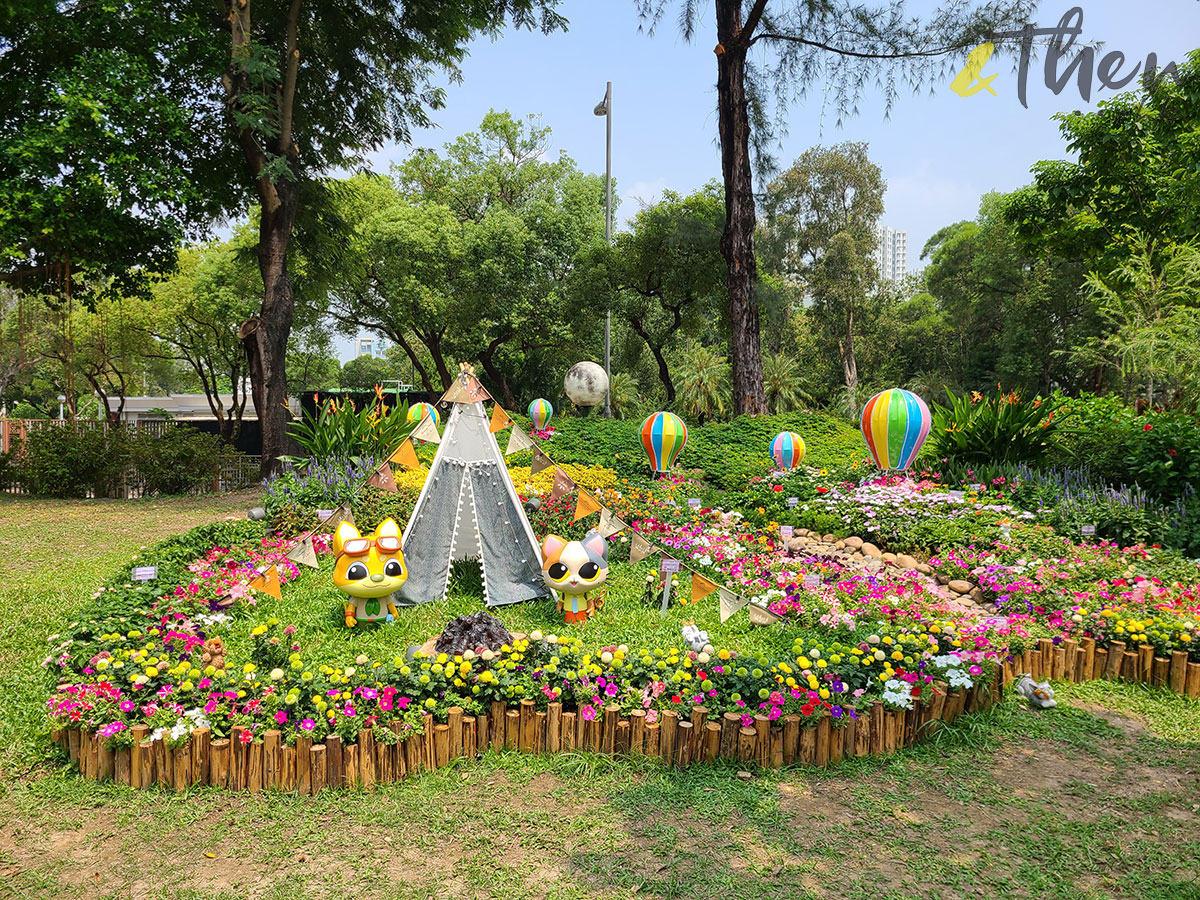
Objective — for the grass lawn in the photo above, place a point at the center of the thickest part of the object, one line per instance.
(1098, 798)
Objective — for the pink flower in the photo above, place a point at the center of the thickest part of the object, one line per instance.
(281, 717)
(308, 725)
(588, 713)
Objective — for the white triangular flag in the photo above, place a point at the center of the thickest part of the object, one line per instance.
(426, 431)
(305, 553)
(730, 603)
(518, 440)
(610, 524)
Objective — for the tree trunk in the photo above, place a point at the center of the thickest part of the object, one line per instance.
(488, 360)
(265, 336)
(850, 361)
(664, 373)
(737, 241)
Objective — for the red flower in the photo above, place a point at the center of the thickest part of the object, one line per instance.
(777, 487)
(822, 490)
(807, 709)
(1172, 452)
(1147, 427)
(675, 698)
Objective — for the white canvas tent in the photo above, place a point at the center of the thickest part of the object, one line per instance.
(469, 508)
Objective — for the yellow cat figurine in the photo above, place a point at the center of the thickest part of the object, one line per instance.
(370, 569)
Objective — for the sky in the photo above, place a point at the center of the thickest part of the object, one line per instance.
(939, 152)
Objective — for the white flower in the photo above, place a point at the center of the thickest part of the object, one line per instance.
(276, 674)
(535, 635)
(362, 659)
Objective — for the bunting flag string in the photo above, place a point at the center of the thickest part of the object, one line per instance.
(405, 456)
(563, 484)
(382, 478)
(586, 505)
(304, 553)
(466, 390)
(540, 463)
(730, 603)
(639, 548)
(500, 419)
(267, 582)
(518, 440)
(701, 587)
(426, 431)
(609, 523)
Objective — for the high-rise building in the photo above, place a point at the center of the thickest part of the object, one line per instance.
(891, 253)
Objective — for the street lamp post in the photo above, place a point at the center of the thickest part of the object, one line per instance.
(604, 108)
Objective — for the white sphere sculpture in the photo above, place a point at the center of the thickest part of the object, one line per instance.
(586, 384)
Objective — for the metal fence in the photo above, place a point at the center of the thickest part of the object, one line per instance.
(232, 472)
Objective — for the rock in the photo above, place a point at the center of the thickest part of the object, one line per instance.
(890, 557)
(839, 545)
(872, 551)
(959, 586)
(829, 539)
(976, 594)
(924, 569)
(803, 532)
(745, 776)
(943, 579)
(854, 543)
(794, 544)
(907, 561)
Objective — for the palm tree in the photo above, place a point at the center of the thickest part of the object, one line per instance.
(623, 394)
(781, 378)
(703, 378)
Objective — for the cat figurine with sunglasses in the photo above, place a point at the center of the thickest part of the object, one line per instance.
(369, 569)
(573, 570)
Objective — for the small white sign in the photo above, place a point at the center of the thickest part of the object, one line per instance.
(793, 502)
(977, 487)
(785, 531)
(668, 566)
(1087, 530)
(996, 622)
(694, 502)
(324, 514)
(145, 573)
(956, 496)
(812, 581)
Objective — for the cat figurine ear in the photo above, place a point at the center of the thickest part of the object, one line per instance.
(345, 533)
(596, 544)
(552, 546)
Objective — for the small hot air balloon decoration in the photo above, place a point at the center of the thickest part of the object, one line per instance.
(540, 412)
(895, 424)
(787, 449)
(419, 411)
(664, 436)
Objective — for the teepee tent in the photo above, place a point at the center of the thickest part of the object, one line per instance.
(469, 508)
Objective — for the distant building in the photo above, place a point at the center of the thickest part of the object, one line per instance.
(369, 345)
(891, 253)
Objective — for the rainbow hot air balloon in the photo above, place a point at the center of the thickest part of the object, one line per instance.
(663, 436)
(419, 411)
(540, 412)
(895, 424)
(787, 449)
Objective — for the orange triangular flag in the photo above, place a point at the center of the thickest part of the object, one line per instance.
(382, 478)
(701, 587)
(500, 419)
(562, 485)
(406, 456)
(268, 583)
(586, 505)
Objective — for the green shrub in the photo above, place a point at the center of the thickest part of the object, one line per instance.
(1001, 428)
(65, 461)
(180, 460)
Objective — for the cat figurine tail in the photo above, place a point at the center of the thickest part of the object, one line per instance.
(1039, 694)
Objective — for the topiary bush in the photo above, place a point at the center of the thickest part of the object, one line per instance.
(65, 461)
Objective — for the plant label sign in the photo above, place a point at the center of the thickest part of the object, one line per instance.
(812, 581)
(996, 622)
(977, 487)
(693, 502)
(145, 573)
(324, 514)
(668, 566)
(1088, 530)
(956, 496)
(793, 502)
(785, 531)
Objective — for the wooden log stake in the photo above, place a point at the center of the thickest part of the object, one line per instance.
(668, 734)
(699, 718)
(823, 737)
(1192, 684)
(136, 756)
(350, 766)
(712, 741)
(791, 738)
(637, 732)
(383, 763)
(317, 767)
(730, 723)
(747, 745)
(201, 755)
(608, 739)
(1161, 673)
(105, 764)
(1100, 663)
(862, 734)
(470, 737)
(1145, 663)
(1088, 659)
(849, 728)
(878, 739)
(73, 743)
(1058, 663)
(652, 738)
(272, 758)
(413, 762)
(808, 745)
(254, 769)
(334, 763)
(399, 763)
(499, 724)
(304, 764)
(147, 776)
(553, 727)
(1179, 663)
(122, 767)
(288, 780)
(1071, 650)
(1116, 655)
(483, 734)
(1046, 649)
(837, 744)
(441, 746)
(1129, 666)
(219, 753)
(569, 732)
(164, 768)
(512, 729)
(367, 776)
(528, 730)
(762, 727)
(623, 731)
(182, 761)
(683, 745)
(454, 717)
(539, 732)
